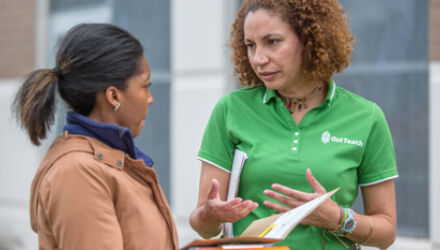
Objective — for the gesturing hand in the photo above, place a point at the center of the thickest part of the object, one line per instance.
(216, 210)
(326, 215)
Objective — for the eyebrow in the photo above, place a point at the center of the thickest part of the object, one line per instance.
(264, 37)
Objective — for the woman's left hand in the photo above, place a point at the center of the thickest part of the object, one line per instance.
(327, 215)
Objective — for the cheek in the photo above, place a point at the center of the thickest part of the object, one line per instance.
(290, 53)
(142, 105)
(292, 60)
(249, 56)
(141, 100)
(250, 62)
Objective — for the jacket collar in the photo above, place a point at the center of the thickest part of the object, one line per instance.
(112, 135)
(65, 144)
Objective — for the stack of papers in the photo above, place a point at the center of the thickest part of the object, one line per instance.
(240, 247)
(235, 243)
(264, 232)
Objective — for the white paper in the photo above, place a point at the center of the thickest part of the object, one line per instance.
(288, 220)
(234, 180)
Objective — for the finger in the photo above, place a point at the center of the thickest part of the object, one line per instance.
(232, 203)
(244, 209)
(290, 202)
(213, 191)
(317, 187)
(247, 209)
(292, 193)
(276, 207)
(238, 211)
(245, 204)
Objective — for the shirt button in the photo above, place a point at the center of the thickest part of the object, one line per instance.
(295, 141)
(296, 133)
(119, 163)
(294, 148)
(99, 156)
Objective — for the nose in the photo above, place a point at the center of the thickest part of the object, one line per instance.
(260, 57)
(150, 100)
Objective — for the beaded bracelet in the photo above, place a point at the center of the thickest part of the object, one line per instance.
(342, 219)
(369, 234)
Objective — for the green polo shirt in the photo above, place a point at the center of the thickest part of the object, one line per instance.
(345, 141)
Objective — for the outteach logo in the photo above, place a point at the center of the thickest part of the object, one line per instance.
(326, 137)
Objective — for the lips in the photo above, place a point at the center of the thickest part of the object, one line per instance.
(267, 75)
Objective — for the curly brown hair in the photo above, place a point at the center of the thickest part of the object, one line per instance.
(320, 25)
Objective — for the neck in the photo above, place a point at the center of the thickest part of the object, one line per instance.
(102, 112)
(304, 98)
(303, 91)
(100, 116)
(299, 90)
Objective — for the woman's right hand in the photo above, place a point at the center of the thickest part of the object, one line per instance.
(219, 211)
(212, 208)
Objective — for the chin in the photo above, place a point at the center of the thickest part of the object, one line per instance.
(135, 134)
(272, 86)
(137, 131)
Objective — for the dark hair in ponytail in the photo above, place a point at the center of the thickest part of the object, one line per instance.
(91, 58)
(34, 103)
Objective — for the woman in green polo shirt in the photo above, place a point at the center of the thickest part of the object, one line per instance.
(302, 134)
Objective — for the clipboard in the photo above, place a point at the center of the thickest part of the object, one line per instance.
(270, 229)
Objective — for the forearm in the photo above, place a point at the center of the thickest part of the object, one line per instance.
(381, 232)
(380, 208)
(203, 225)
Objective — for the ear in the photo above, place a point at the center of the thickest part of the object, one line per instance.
(113, 95)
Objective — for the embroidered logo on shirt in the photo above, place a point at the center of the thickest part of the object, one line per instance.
(326, 137)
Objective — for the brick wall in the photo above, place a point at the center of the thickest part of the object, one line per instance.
(435, 30)
(17, 37)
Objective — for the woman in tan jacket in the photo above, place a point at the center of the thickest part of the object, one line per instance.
(94, 189)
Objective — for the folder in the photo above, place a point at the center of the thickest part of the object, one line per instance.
(266, 231)
(240, 248)
(234, 180)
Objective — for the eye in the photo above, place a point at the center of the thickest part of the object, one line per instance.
(250, 45)
(273, 41)
(148, 85)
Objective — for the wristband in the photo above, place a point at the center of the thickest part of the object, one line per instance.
(350, 222)
(347, 223)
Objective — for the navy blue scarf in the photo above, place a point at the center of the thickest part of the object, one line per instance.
(110, 134)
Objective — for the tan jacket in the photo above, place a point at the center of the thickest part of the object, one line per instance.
(87, 195)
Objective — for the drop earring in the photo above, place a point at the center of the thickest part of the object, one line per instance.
(117, 106)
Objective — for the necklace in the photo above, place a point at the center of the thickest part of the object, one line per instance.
(293, 104)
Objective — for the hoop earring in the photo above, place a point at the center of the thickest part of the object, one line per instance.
(117, 106)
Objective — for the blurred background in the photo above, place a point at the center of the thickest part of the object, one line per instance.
(396, 63)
